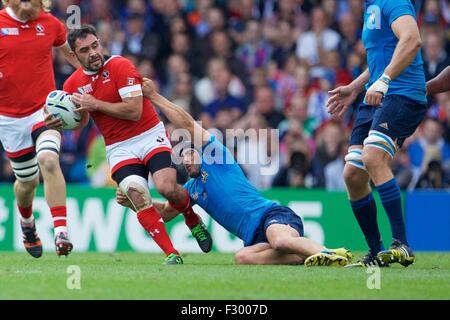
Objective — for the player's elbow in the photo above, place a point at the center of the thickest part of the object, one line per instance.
(135, 114)
(414, 41)
(417, 43)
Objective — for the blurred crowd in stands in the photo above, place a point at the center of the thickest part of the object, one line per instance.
(260, 64)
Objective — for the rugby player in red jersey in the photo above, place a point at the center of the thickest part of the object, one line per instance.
(27, 36)
(109, 90)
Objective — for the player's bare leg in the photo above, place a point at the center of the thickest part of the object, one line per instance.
(165, 182)
(285, 239)
(262, 253)
(47, 148)
(363, 205)
(24, 192)
(377, 162)
(136, 189)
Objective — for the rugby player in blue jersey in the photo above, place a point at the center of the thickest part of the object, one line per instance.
(394, 105)
(272, 234)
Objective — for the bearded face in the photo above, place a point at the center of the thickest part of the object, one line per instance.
(26, 9)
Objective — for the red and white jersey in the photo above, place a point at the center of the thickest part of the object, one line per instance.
(116, 80)
(26, 62)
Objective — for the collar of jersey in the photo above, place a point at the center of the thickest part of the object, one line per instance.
(91, 73)
(11, 13)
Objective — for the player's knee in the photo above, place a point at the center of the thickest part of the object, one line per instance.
(372, 160)
(352, 176)
(48, 162)
(241, 257)
(138, 198)
(26, 186)
(281, 244)
(136, 189)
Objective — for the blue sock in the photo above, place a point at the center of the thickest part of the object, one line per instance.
(365, 211)
(392, 202)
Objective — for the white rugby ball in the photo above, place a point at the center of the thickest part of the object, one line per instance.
(59, 103)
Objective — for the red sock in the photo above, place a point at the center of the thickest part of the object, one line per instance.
(152, 222)
(26, 213)
(185, 207)
(59, 215)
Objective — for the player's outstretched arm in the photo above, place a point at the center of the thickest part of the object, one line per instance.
(176, 115)
(409, 43)
(441, 83)
(164, 209)
(65, 50)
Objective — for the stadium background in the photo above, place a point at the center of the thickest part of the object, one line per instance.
(251, 64)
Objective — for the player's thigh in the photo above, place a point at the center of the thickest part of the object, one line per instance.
(281, 223)
(362, 125)
(154, 149)
(395, 120)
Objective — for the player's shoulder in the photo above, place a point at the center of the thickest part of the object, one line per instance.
(117, 61)
(389, 4)
(74, 78)
(49, 18)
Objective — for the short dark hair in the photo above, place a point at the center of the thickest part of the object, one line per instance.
(80, 33)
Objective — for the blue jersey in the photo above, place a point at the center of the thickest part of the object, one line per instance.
(224, 192)
(380, 42)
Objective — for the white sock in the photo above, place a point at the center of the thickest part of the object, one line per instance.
(60, 229)
(27, 220)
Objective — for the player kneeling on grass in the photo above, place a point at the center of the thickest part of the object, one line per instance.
(273, 234)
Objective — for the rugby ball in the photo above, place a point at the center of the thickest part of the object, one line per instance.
(59, 103)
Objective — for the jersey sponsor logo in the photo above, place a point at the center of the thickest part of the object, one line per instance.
(9, 31)
(40, 30)
(86, 89)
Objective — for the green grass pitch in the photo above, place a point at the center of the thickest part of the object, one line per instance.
(212, 276)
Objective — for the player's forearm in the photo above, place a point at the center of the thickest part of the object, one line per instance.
(65, 50)
(176, 115)
(404, 55)
(165, 210)
(359, 83)
(120, 110)
(439, 84)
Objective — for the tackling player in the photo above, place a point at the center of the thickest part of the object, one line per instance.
(273, 234)
(393, 107)
(109, 88)
(439, 84)
(27, 36)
